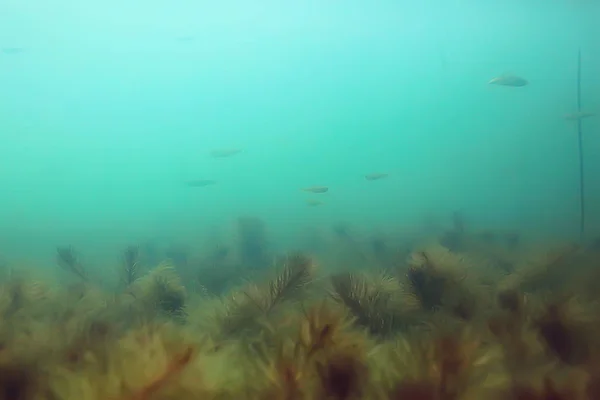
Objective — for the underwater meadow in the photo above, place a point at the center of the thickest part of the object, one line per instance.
(282, 200)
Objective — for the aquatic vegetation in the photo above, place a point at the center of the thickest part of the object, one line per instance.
(218, 269)
(178, 254)
(440, 325)
(376, 302)
(160, 292)
(68, 259)
(246, 308)
(252, 243)
(455, 237)
(382, 253)
(131, 265)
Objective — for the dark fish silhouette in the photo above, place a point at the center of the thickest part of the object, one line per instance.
(376, 176)
(509, 80)
(314, 202)
(316, 189)
(186, 38)
(201, 183)
(223, 153)
(579, 115)
(12, 50)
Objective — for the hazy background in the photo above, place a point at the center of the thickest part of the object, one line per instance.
(112, 105)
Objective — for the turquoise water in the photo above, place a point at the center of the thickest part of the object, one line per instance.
(109, 108)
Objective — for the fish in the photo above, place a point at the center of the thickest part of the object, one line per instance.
(224, 153)
(509, 80)
(376, 176)
(12, 50)
(316, 189)
(314, 202)
(201, 183)
(185, 38)
(579, 115)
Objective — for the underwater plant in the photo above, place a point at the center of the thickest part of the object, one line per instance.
(130, 271)
(18, 381)
(444, 325)
(567, 327)
(247, 307)
(179, 255)
(68, 259)
(541, 268)
(444, 365)
(218, 270)
(159, 292)
(252, 243)
(440, 279)
(325, 359)
(376, 302)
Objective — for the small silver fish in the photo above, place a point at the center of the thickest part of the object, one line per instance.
(201, 183)
(509, 80)
(316, 189)
(12, 50)
(376, 176)
(223, 153)
(314, 202)
(579, 115)
(185, 38)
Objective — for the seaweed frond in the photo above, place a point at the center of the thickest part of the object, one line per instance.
(68, 259)
(375, 303)
(22, 293)
(439, 279)
(245, 309)
(296, 273)
(130, 269)
(542, 269)
(327, 360)
(252, 246)
(339, 355)
(321, 328)
(568, 329)
(18, 382)
(175, 366)
(547, 391)
(160, 291)
(446, 366)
